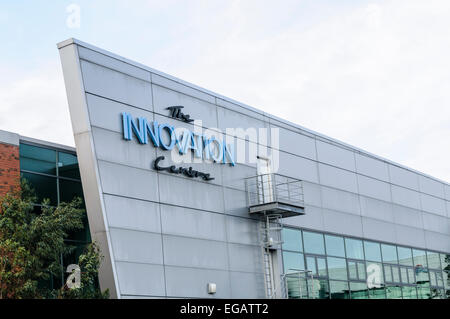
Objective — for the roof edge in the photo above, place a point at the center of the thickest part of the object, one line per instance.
(245, 106)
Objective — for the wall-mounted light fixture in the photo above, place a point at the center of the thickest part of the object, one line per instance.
(211, 288)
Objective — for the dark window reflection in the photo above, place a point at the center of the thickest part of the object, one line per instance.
(37, 159)
(68, 190)
(44, 186)
(68, 165)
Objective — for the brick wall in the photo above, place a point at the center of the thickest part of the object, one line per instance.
(9, 168)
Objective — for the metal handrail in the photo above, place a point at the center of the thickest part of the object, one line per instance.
(266, 188)
(297, 274)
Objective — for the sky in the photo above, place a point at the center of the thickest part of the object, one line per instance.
(373, 74)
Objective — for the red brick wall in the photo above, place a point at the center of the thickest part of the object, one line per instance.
(9, 168)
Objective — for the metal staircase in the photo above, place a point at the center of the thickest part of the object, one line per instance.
(272, 197)
(270, 234)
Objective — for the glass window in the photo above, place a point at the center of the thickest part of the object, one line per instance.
(387, 273)
(352, 270)
(421, 275)
(375, 274)
(335, 246)
(322, 266)
(296, 288)
(377, 293)
(389, 253)
(320, 289)
(339, 290)
(337, 268)
(445, 264)
(409, 292)
(68, 190)
(354, 248)
(358, 290)
(433, 278)
(445, 261)
(292, 239)
(405, 256)
(411, 278)
(45, 187)
(68, 165)
(393, 292)
(372, 251)
(293, 262)
(361, 271)
(420, 259)
(395, 274)
(313, 243)
(423, 291)
(439, 280)
(37, 159)
(437, 293)
(311, 265)
(81, 236)
(404, 275)
(433, 260)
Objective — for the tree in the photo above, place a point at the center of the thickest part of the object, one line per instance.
(89, 263)
(32, 243)
(13, 265)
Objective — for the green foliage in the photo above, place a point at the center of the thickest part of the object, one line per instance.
(13, 265)
(89, 263)
(32, 243)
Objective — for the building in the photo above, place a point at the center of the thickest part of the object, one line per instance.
(52, 170)
(240, 205)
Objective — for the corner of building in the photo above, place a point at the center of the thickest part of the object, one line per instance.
(9, 162)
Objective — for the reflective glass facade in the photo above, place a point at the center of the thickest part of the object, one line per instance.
(338, 267)
(54, 174)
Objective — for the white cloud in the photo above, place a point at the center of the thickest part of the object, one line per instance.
(375, 76)
(35, 105)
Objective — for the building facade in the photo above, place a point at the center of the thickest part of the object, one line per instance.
(52, 171)
(265, 209)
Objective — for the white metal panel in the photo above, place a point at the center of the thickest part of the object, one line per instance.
(116, 86)
(188, 222)
(335, 155)
(433, 204)
(132, 214)
(378, 230)
(408, 216)
(403, 177)
(340, 200)
(410, 236)
(295, 143)
(123, 239)
(437, 241)
(197, 109)
(372, 167)
(376, 209)
(431, 186)
(435, 223)
(138, 279)
(339, 178)
(374, 188)
(406, 197)
(111, 63)
(342, 223)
